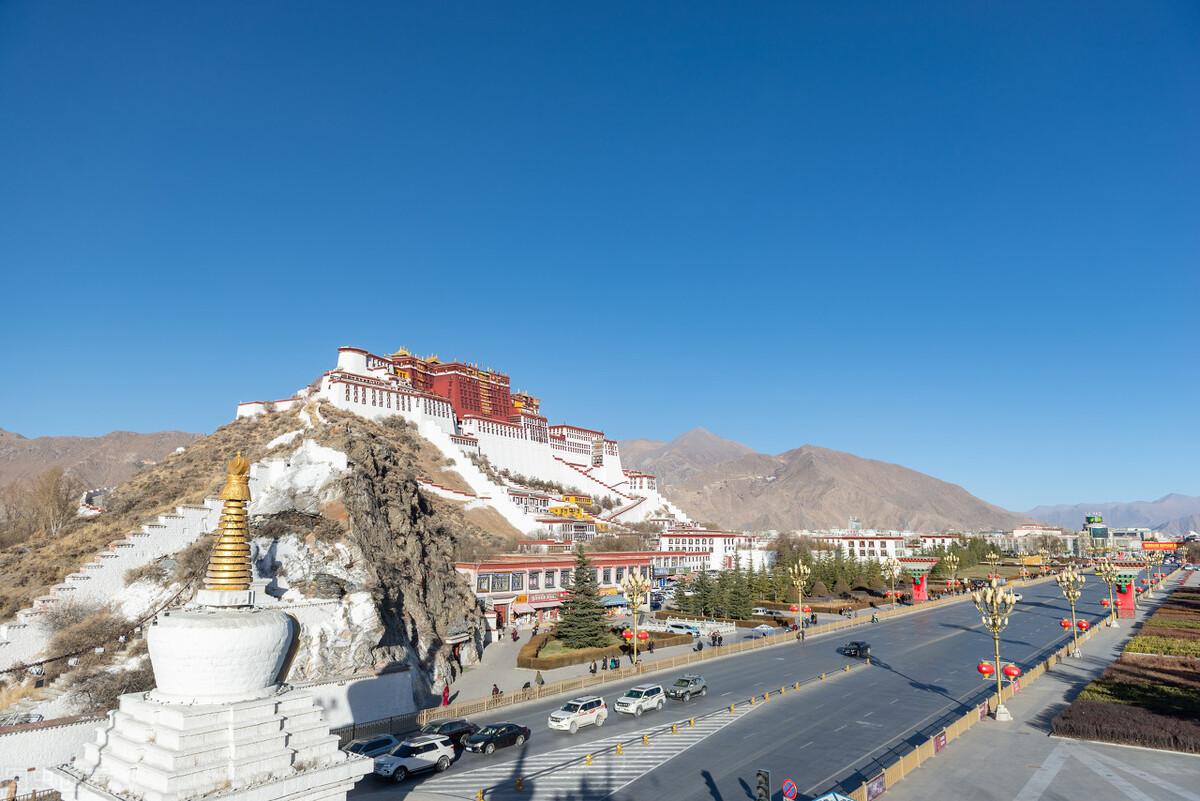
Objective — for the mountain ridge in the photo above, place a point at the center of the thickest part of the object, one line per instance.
(102, 461)
(1173, 513)
(806, 487)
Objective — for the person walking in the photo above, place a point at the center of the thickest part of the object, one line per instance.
(495, 690)
(538, 680)
(720, 639)
(592, 669)
(446, 694)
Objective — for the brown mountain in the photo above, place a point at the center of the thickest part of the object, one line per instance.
(812, 487)
(97, 461)
(683, 457)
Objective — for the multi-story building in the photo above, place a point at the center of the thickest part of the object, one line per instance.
(929, 542)
(863, 545)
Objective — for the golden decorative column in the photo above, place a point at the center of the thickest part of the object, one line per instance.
(227, 582)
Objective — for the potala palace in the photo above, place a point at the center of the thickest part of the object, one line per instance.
(468, 411)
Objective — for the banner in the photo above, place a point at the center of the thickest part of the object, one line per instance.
(1159, 546)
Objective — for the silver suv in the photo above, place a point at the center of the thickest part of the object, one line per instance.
(586, 711)
(640, 699)
(687, 686)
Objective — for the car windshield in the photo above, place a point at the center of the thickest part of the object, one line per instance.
(431, 728)
(682, 683)
(488, 731)
(403, 750)
(358, 748)
(572, 707)
(634, 694)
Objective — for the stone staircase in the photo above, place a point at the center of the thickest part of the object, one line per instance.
(100, 581)
(586, 473)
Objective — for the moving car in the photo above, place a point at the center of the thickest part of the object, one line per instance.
(762, 631)
(641, 698)
(590, 710)
(424, 752)
(372, 746)
(454, 729)
(496, 735)
(683, 628)
(856, 648)
(686, 686)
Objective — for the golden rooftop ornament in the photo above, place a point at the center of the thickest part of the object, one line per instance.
(229, 565)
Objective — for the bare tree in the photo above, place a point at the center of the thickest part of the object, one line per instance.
(54, 500)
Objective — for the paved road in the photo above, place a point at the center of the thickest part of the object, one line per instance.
(822, 735)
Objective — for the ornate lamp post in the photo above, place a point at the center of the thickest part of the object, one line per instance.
(636, 587)
(892, 570)
(1042, 554)
(1071, 584)
(1108, 574)
(951, 563)
(800, 573)
(993, 559)
(995, 603)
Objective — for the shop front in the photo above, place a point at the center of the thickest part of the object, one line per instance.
(546, 605)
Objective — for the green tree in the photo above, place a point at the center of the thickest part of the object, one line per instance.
(840, 587)
(581, 624)
(705, 595)
(738, 600)
(819, 590)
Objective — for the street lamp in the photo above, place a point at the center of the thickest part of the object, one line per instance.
(636, 587)
(951, 562)
(1108, 574)
(892, 570)
(1042, 554)
(993, 559)
(995, 603)
(800, 573)
(1071, 584)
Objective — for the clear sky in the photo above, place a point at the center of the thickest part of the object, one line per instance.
(959, 236)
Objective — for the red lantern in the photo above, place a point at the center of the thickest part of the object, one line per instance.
(1083, 625)
(643, 635)
(1011, 672)
(985, 669)
(793, 608)
(1066, 624)
(1104, 602)
(807, 610)
(627, 634)
(1145, 581)
(1140, 590)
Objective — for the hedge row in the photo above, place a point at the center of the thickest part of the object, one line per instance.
(1164, 646)
(528, 656)
(1123, 723)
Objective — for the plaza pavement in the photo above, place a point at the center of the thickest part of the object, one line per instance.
(1019, 761)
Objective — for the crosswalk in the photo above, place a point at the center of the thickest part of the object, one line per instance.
(566, 774)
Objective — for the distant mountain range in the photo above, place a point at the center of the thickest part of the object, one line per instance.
(1170, 514)
(97, 461)
(722, 481)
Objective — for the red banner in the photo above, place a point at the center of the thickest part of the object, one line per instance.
(1159, 546)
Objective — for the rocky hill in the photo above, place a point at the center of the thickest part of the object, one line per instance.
(1170, 514)
(808, 487)
(96, 461)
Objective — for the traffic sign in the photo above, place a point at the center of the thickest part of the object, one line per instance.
(789, 789)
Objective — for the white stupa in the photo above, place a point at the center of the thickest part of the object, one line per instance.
(219, 723)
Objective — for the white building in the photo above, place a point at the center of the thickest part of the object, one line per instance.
(865, 545)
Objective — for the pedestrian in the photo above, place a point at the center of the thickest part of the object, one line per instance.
(616, 663)
(802, 635)
(604, 663)
(592, 669)
(650, 646)
(720, 639)
(446, 694)
(495, 690)
(535, 629)
(538, 680)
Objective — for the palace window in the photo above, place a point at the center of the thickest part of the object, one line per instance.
(534, 579)
(483, 583)
(549, 579)
(620, 574)
(566, 578)
(518, 581)
(608, 575)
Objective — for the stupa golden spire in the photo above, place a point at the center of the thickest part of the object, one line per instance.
(229, 565)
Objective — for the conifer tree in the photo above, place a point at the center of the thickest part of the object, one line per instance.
(581, 624)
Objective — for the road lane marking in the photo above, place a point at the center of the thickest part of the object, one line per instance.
(1105, 772)
(1146, 777)
(894, 700)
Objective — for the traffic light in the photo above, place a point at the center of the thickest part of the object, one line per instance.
(762, 785)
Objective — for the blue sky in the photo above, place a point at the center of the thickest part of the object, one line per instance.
(959, 236)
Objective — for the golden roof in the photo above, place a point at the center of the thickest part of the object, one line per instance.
(229, 564)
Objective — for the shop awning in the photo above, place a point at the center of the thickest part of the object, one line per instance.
(545, 604)
(522, 609)
(613, 600)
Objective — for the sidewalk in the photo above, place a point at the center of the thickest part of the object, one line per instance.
(499, 665)
(1018, 761)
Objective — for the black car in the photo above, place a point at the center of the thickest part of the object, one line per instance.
(496, 735)
(856, 648)
(455, 729)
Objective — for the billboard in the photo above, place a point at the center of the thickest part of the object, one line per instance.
(1159, 546)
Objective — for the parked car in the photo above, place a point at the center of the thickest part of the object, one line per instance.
(454, 729)
(761, 611)
(425, 752)
(856, 648)
(762, 631)
(496, 735)
(372, 746)
(641, 698)
(590, 710)
(683, 628)
(686, 686)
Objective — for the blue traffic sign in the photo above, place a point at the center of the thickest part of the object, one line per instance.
(789, 789)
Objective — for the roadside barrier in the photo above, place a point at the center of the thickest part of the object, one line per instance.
(402, 724)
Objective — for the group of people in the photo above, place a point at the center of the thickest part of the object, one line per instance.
(609, 663)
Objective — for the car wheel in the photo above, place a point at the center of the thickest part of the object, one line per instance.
(637, 711)
(661, 703)
(704, 691)
(490, 748)
(442, 764)
(600, 720)
(520, 740)
(574, 727)
(687, 697)
(400, 775)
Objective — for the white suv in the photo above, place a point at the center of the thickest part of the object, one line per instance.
(427, 752)
(588, 710)
(640, 699)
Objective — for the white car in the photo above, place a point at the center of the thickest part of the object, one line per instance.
(762, 631)
(641, 698)
(427, 752)
(590, 710)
